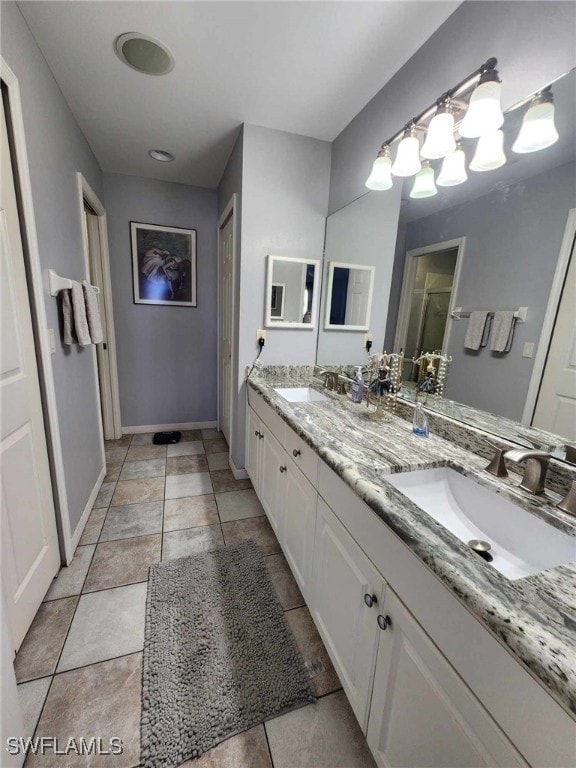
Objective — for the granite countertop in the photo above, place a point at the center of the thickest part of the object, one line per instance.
(535, 616)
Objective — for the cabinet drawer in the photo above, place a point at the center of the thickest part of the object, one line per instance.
(305, 458)
(275, 424)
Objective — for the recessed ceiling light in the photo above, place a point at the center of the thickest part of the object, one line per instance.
(144, 53)
(161, 155)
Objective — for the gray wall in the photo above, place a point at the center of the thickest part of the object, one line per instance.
(534, 44)
(284, 206)
(507, 264)
(56, 151)
(166, 355)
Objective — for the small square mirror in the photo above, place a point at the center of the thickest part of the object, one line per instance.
(291, 292)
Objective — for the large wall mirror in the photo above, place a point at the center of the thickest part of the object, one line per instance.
(291, 292)
(502, 240)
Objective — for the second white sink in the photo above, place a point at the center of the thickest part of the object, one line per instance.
(301, 394)
(521, 543)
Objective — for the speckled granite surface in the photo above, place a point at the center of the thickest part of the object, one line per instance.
(534, 617)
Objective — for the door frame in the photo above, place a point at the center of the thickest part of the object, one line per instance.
(408, 283)
(550, 317)
(38, 287)
(229, 211)
(109, 399)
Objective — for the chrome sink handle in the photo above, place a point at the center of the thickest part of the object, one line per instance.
(536, 467)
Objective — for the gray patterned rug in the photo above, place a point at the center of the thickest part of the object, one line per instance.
(219, 657)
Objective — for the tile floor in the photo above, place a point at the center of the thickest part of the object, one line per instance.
(79, 667)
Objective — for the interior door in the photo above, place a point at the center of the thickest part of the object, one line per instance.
(556, 405)
(30, 554)
(357, 296)
(226, 259)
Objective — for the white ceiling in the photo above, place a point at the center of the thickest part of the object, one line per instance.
(303, 67)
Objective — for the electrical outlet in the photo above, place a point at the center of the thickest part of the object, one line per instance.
(260, 335)
(528, 350)
(367, 338)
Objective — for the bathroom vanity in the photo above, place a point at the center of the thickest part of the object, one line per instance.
(445, 661)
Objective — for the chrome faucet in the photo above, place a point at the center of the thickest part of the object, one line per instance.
(330, 379)
(536, 467)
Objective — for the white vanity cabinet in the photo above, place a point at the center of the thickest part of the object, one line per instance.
(299, 520)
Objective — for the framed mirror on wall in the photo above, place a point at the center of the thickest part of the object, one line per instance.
(349, 296)
(292, 287)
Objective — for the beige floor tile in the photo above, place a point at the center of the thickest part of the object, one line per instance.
(324, 678)
(257, 528)
(247, 750)
(218, 461)
(133, 470)
(216, 446)
(71, 577)
(132, 520)
(223, 481)
(196, 484)
(118, 453)
(189, 435)
(98, 700)
(122, 442)
(185, 448)
(190, 512)
(93, 527)
(41, 648)
(237, 505)
(31, 697)
(104, 495)
(211, 434)
(142, 438)
(321, 735)
(141, 452)
(106, 625)
(283, 581)
(138, 491)
(190, 541)
(112, 471)
(121, 562)
(185, 465)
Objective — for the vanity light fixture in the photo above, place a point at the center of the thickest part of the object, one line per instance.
(440, 137)
(407, 161)
(484, 113)
(538, 130)
(161, 155)
(453, 169)
(489, 152)
(424, 185)
(381, 177)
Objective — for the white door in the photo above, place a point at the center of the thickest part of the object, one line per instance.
(556, 404)
(298, 526)
(226, 309)
(30, 555)
(422, 713)
(272, 478)
(343, 581)
(358, 296)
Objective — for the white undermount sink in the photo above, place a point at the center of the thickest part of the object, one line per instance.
(301, 394)
(521, 543)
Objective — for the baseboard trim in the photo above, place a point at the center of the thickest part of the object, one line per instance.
(169, 427)
(86, 513)
(239, 474)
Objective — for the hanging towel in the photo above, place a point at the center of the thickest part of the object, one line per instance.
(69, 333)
(93, 312)
(504, 323)
(478, 329)
(80, 320)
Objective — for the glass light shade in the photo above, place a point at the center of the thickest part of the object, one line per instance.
(453, 169)
(489, 152)
(407, 161)
(538, 130)
(484, 111)
(381, 176)
(424, 183)
(440, 137)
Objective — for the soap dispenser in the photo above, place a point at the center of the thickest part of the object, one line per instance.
(420, 422)
(358, 386)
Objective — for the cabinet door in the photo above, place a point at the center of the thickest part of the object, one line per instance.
(272, 478)
(342, 577)
(253, 450)
(297, 537)
(422, 713)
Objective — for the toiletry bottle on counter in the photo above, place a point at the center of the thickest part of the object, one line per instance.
(358, 386)
(420, 422)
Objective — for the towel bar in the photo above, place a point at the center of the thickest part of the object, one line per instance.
(520, 314)
(58, 283)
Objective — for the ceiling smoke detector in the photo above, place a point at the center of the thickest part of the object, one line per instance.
(144, 54)
(161, 155)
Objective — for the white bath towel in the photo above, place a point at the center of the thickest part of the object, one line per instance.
(69, 334)
(93, 312)
(80, 320)
(478, 329)
(503, 332)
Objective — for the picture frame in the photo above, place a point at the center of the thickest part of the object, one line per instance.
(163, 265)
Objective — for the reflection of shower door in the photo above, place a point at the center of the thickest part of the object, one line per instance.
(432, 325)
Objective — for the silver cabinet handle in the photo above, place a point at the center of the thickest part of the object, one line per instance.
(384, 621)
(296, 452)
(370, 600)
(282, 469)
(257, 433)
